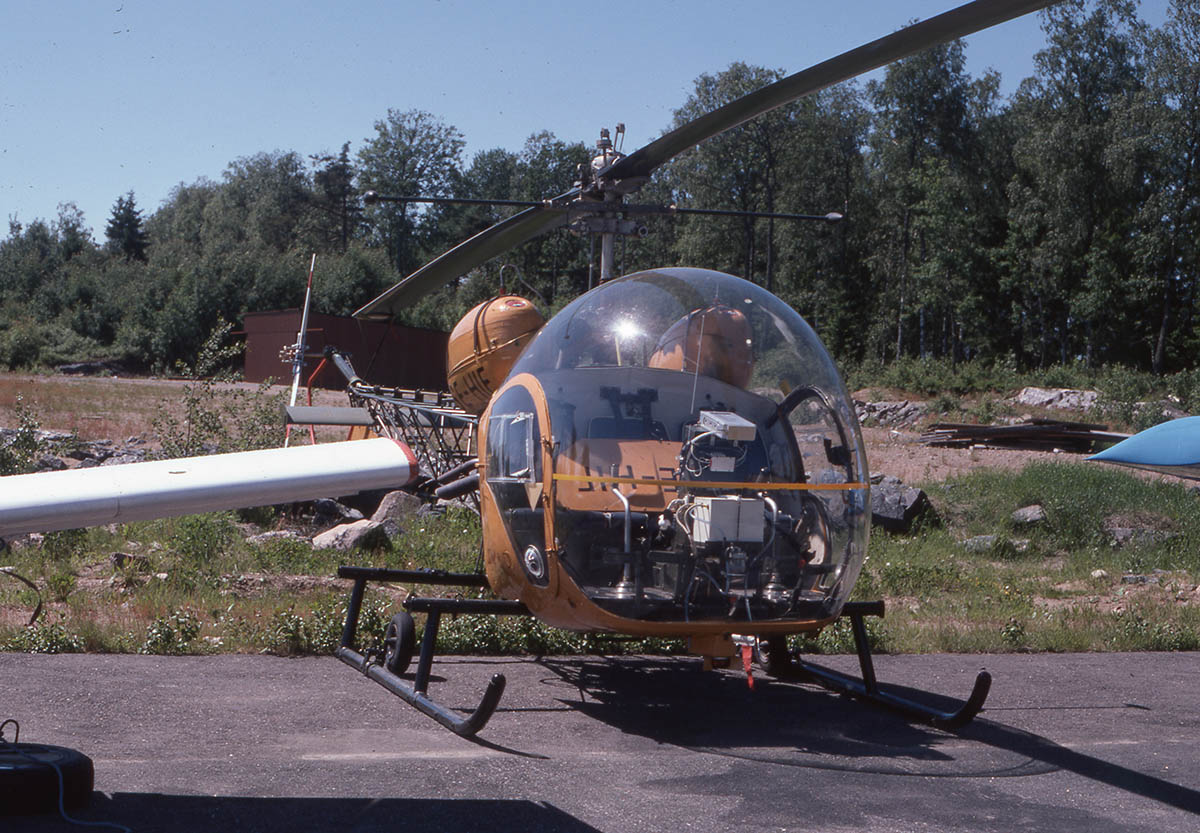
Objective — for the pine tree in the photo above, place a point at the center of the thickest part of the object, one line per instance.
(124, 230)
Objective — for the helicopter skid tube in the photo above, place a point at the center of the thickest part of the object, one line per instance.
(868, 689)
(463, 726)
(416, 693)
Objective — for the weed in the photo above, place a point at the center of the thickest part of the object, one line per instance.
(171, 634)
(214, 420)
(60, 546)
(1013, 634)
(287, 634)
(1135, 632)
(19, 454)
(838, 638)
(325, 627)
(984, 410)
(45, 638)
(60, 585)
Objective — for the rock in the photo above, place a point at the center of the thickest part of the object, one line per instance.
(397, 507)
(1028, 515)
(895, 506)
(361, 533)
(1123, 536)
(330, 510)
(890, 413)
(48, 462)
(1139, 579)
(1100, 574)
(1060, 398)
(119, 559)
(125, 457)
(980, 543)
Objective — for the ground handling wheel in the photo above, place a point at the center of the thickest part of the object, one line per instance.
(29, 783)
(399, 642)
(773, 655)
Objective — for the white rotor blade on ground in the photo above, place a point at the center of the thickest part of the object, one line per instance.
(57, 500)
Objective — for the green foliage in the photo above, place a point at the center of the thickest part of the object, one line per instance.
(19, 454)
(172, 634)
(488, 634)
(1134, 632)
(62, 545)
(45, 637)
(216, 418)
(124, 231)
(1077, 499)
(287, 633)
(838, 638)
(60, 584)
(198, 538)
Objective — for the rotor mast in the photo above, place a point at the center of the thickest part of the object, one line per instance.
(605, 157)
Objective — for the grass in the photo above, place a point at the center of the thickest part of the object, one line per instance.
(193, 585)
(1057, 586)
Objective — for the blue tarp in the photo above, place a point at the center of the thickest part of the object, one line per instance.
(1171, 448)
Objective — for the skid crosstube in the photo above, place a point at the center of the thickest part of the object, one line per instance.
(868, 688)
(416, 693)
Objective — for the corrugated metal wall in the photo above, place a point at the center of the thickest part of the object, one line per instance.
(396, 356)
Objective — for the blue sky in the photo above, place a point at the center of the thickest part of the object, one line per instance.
(100, 98)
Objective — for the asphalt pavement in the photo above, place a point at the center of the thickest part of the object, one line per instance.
(1095, 742)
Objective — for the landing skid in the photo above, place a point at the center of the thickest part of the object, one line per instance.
(387, 667)
(376, 666)
(868, 689)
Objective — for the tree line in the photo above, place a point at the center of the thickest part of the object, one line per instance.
(1059, 225)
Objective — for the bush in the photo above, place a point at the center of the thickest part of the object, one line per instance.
(214, 419)
(45, 638)
(172, 634)
(19, 455)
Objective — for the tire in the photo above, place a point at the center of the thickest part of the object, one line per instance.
(773, 655)
(399, 641)
(32, 787)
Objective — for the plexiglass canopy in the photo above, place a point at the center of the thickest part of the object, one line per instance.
(706, 459)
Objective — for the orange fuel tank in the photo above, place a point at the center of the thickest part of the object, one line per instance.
(485, 344)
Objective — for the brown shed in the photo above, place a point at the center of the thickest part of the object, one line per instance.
(392, 355)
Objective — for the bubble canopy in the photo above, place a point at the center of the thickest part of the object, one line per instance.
(705, 459)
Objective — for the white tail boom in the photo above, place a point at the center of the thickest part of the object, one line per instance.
(57, 500)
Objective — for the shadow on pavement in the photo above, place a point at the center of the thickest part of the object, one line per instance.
(156, 813)
(803, 726)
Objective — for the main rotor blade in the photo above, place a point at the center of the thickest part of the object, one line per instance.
(464, 257)
(955, 23)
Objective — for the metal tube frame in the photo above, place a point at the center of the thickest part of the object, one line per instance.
(416, 694)
(868, 688)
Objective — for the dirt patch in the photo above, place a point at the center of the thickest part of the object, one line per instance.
(899, 453)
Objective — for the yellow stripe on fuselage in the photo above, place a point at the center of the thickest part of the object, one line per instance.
(711, 484)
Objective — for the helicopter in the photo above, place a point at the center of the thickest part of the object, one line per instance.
(672, 454)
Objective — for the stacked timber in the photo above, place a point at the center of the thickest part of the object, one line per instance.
(1031, 435)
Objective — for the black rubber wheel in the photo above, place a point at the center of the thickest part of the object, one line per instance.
(773, 655)
(399, 641)
(31, 786)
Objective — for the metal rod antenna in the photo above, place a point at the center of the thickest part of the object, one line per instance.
(301, 346)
